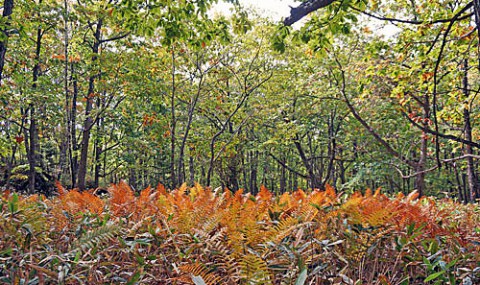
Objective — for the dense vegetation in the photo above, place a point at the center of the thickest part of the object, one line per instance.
(97, 92)
(199, 236)
(161, 91)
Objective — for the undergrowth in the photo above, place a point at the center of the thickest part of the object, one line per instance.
(197, 236)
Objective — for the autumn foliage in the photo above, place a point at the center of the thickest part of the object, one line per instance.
(196, 235)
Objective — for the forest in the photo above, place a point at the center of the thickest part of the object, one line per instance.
(93, 92)
(164, 142)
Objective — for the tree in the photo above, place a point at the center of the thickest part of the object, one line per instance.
(5, 33)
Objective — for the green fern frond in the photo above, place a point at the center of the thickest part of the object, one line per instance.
(96, 238)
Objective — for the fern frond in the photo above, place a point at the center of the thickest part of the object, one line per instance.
(198, 269)
(97, 238)
(254, 269)
(122, 199)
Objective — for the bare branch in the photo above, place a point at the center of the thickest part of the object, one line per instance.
(416, 22)
(288, 167)
(450, 160)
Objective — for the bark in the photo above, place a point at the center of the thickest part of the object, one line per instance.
(283, 178)
(72, 121)
(314, 182)
(420, 169)
(31, 151)
(304, 9)
(173, 126)
(132, 180)
(341, 166)
(191, 167)
(65, 142)
(33, 132)
(88, 123)
(7, 12)
(471, 175)
(476, 8)
(253, 171)
(332, 148)
(99, 147)
(191, 110)
(218, 134)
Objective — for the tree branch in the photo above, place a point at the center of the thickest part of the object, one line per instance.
(445, 136)
(415, 22)
(297, 13)
(287, 167)
(436, 166)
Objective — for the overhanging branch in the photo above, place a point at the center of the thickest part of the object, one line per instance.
(297, 13)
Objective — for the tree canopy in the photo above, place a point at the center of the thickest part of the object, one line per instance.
(93, 92)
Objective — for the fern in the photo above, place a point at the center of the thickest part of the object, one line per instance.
(96, 238)
(196, 269)
(254, 269)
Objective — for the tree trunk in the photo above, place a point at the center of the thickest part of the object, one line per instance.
(253, 171)
(420, 169)
(173, 126)
(471, 176)
(283, 179)
(191, 110)
(73, 146)
(422, 161)
(88, 123)
(314, 183)
(98, 155)
(332, 148)
(31, 151)
(191, 167)
(7, 12)
(33, 132)
(476, 8)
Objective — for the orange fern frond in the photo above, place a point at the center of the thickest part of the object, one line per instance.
(61, 190)
(122, 199)
(264, 194)
(161, 189)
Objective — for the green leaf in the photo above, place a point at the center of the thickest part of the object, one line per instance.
(434, 276)
(13, 203)
(302, 277)
(133, 280)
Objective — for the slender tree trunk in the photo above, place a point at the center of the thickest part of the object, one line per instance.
(283, 182)
(191, 110)
(132, 180)
(65, 141)
(88, 123)
(244, 172)
(253, 171)
(471, 176)
(33, 132)
(332, 148)
(420, 178)
(6, 16)
(173, 125)
(31, 151)
(341, 166)
(73, 147)
(422, 161)
(314, 183)
(191, 167)
(476, 8)
(7, 12)
(98, 154)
